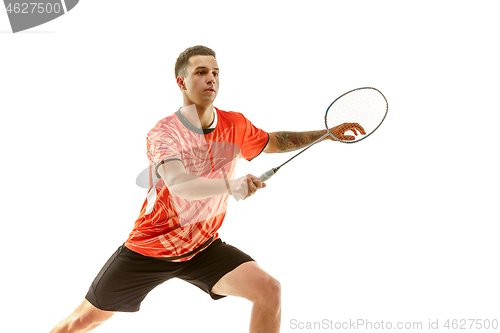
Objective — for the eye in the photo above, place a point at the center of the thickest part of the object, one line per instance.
(216, 74)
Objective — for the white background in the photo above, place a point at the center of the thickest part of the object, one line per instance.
(400, 227)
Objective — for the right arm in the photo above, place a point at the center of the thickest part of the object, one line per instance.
(186, 186)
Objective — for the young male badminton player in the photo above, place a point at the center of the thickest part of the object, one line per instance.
(192, 155)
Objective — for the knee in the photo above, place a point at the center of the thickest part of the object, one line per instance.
(85, 320)
(82, 322)
(270, 293)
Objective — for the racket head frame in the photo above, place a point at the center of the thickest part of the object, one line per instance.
(364, 137)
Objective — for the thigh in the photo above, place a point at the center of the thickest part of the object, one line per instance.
(211, 264)
(248, 280)
(89, 313)
(126, 279)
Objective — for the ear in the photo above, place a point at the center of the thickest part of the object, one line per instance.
(180, 83)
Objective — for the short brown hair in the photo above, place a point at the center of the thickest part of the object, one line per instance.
(183, 59)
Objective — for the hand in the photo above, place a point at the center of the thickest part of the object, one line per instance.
(340, 130)
(246, 186)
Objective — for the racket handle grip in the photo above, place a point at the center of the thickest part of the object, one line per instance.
(264, 177)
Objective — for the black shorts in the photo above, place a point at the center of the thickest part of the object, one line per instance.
(127, 277)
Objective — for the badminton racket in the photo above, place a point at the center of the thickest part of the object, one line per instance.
(350, 118)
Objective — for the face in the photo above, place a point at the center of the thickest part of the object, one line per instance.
(201, 84)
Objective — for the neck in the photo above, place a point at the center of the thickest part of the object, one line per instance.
(201, 117)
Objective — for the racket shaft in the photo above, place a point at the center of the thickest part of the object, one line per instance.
(268, 174)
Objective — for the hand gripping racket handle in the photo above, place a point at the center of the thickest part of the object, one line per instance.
(264, 177)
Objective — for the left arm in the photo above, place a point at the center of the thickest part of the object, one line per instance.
(282, 142)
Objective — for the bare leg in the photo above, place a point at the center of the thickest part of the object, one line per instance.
(85, 318)
(253, 283)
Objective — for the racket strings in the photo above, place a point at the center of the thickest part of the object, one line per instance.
(366, 107)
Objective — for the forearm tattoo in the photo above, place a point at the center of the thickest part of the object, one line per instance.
(290, 141)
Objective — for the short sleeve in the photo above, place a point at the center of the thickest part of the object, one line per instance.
(161, 148)
(254, 141)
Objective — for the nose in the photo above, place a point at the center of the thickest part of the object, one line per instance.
(211, 78)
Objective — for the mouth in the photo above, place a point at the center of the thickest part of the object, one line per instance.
(211, 89)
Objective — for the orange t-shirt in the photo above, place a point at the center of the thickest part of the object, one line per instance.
(169, 226)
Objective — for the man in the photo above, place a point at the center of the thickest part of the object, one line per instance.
(192, 156)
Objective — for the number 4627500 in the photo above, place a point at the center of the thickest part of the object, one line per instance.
(464, 324)
(33, 7)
